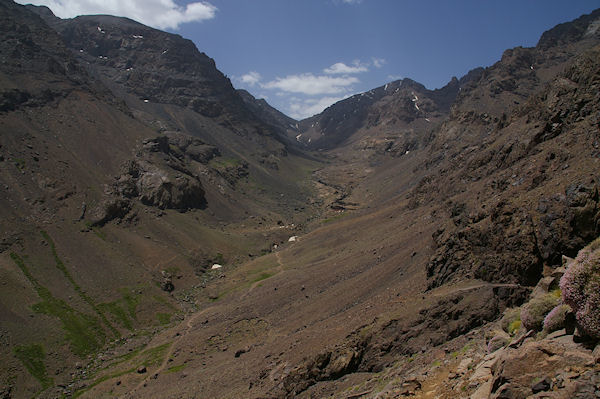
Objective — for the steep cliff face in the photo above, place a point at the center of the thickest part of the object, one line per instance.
(150, 64)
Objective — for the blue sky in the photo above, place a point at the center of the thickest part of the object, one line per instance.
(303, 55)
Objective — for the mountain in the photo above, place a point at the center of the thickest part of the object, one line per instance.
(118, 195)
(286, 127)
(165, 235)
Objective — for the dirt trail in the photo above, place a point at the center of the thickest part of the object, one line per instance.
(190, 324)
(444, 291)
(163, 365)
(256, 283)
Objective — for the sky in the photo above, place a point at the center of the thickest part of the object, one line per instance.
(304, 55)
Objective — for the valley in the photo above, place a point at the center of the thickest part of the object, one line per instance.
(165, 235)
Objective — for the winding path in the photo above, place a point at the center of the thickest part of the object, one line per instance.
(454, 290)
(256, 283)
(163, 365)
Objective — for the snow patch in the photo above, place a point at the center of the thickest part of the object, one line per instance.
(293, 239)
(386, 86)
(100, 30)
(298, 137)
(216, 266)
(138, 36)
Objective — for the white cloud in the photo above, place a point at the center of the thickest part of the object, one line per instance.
(395, 77)
(351, 1)
(251, 78)
(309, 84)
(301, 109)
(341, 68)
(161, 14)
(379, 62)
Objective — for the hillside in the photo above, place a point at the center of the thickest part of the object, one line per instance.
(164, 235)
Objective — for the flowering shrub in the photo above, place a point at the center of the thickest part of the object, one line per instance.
(534, 312)
(580, 287)
(555, 320)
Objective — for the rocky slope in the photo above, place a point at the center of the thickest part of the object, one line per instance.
(176, 247)
(113, 208)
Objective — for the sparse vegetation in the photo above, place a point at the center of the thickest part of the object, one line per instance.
(262, 276)
(534, 312)
(84, 332)
(336, 217)
(118, 313)
(163, 318)
(177, 368)
(514, 327)
(86, 298)
(101, 380)
(131, 300)
(32, 356)
(154, 356)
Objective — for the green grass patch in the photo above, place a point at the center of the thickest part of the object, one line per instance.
(224, 163)
(262, 276)
(175, 369)
(154, 356)
(336, 217)
(118, 313)
(99, 233)
(131, 302)
(85, 297)
(164, 301)
(84, 332)
(163, 318)
(101, 380)
(32, 357)
(124, 358)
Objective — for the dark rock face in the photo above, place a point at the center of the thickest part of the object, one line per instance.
(154, 65)
(568, 222)
(160, 174)
(501, 247)
(164, 174)
(41, 69)
(509, 243)
(398, 104)
(328, 365)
